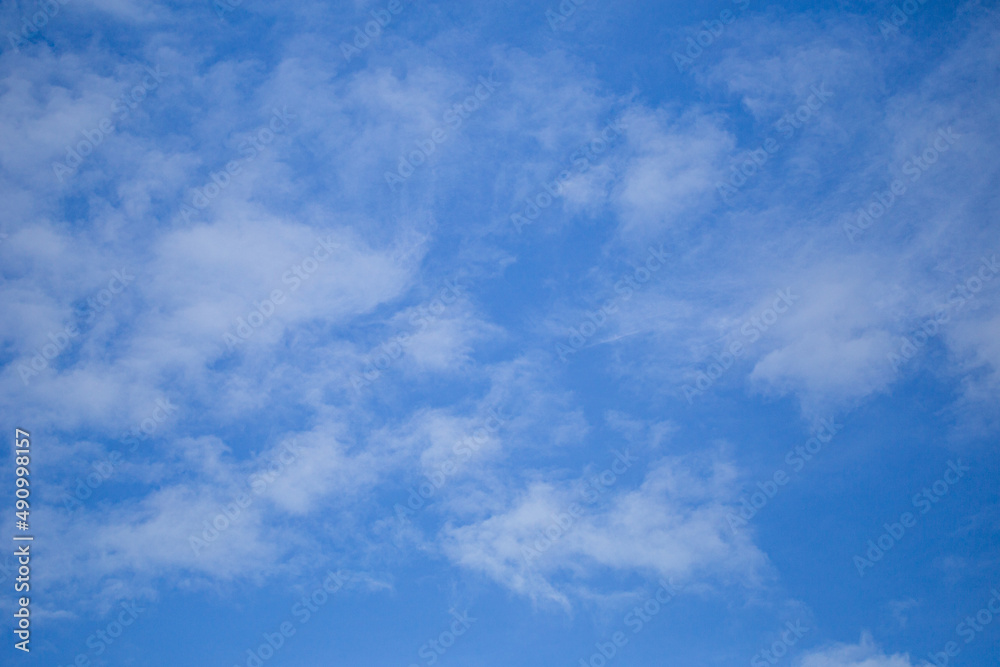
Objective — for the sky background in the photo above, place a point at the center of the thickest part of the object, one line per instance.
(275, 307)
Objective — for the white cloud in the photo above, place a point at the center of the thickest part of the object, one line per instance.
(672, 524)
(673, 166)
(863, 654)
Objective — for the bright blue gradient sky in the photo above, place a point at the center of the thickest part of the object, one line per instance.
(616, 326)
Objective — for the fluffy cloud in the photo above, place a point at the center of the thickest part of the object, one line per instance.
(673, 524)
(863, 654)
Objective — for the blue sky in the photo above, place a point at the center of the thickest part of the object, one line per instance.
(508, 333)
